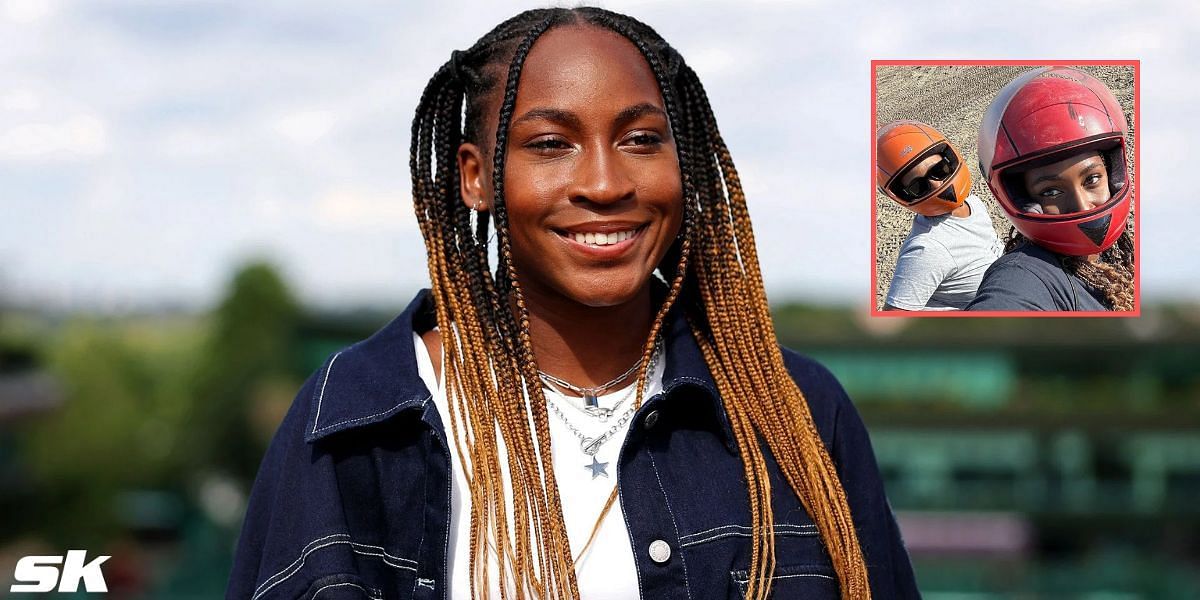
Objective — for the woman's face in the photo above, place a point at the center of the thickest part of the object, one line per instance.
(591, 178)
(1074, 184)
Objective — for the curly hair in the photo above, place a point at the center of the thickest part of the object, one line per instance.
(1112, 274)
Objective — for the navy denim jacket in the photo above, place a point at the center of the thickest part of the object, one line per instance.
(353, 497)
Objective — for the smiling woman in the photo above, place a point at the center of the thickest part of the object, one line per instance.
(589, 127)
(622, 347)
(1074, 184)
(1052, 147)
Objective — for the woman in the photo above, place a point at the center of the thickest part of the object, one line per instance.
(474, 446)
(952, 241)
(1052, 148)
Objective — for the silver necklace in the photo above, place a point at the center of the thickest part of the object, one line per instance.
(590, 394)
(601, 413)
(591, 445)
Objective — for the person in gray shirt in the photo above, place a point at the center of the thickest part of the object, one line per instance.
(952, 241)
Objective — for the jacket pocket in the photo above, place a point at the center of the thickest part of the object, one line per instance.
(811, 582)
(342, 586)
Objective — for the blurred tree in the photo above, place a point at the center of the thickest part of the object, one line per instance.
(156, 404)
(246, 360)
(124, 406)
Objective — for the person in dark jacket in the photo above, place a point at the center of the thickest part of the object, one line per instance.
(621, 348)
(1052, 149)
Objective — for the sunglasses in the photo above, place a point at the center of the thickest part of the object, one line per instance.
(921, 186)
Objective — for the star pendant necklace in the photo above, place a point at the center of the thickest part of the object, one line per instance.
(591, 445)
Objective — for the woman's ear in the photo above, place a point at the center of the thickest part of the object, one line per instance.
(476, 194)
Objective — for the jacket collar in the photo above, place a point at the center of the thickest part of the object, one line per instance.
(377, 379)
(372, 380)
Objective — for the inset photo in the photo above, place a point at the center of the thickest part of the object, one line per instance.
(1004, 188)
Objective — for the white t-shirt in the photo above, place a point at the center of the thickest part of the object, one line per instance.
(607, 570)
(943, 260)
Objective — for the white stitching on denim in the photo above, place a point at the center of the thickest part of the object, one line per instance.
(398, 405)
(687, 587)
(718, 536)
(361, 418)
(302, 558)
(803, 575)
(777, 526)
(429, 583)
(743, 577)
(309, 549)
(386, 557)
(781, 529)
(321, 397)
(425, 491)
(624, 515)
(385, 560)
(689, 379)
(425, 501)
(381, 549)
(449, 501)
(350, 583)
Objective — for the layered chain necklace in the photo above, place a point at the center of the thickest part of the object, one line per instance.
(590, 395)
(590, 445)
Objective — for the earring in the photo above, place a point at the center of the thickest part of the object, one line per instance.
(478, 204)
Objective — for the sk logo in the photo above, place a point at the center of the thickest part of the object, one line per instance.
(39, 573)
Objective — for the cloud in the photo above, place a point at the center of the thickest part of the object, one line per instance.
(77, 136)
(304, 126)
(363, 210)
(187, 142)
(19, 100)
(212, 129)
(27, 12)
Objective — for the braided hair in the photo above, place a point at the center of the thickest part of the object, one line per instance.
(713, 273)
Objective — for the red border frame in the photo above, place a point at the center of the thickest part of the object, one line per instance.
(1137, 215)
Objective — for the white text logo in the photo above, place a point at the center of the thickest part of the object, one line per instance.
(39, 573)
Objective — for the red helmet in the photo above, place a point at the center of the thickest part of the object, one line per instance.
(901, 145)
(1042, 117)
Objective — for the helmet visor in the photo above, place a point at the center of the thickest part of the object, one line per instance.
(1066, 185)
(930, 174)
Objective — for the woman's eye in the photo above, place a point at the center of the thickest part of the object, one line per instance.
(644, 139)
(547, 144)
(1049, 192)
(1092, 179)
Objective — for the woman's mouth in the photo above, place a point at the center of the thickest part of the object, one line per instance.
(604, 239)
(608, 241)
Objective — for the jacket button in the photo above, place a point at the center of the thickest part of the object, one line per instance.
(651, 419)
(660, 551)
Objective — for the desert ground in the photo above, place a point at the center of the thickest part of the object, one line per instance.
(953, 99)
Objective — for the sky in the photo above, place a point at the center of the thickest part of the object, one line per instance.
(148, 148)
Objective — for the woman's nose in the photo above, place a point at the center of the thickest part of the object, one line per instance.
(1084, 200)
(1078, 201)
(1073, 202)
(601, 178)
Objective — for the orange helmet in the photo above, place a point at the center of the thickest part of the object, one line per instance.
(900, 146)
